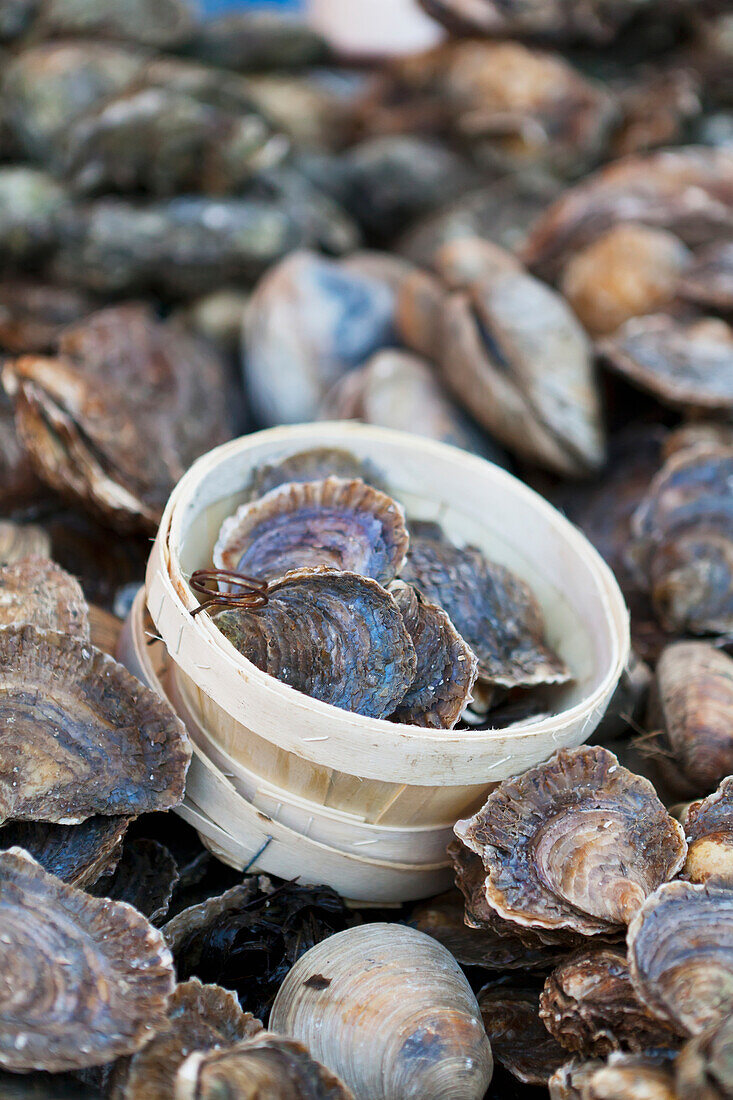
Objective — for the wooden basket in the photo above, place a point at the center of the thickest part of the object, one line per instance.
(379, 771)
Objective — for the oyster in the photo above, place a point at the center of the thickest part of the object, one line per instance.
(704, 1067)
(681, 545)
(685, 364)
(16, 17)
(22, 540)
(266, 1065)
(335, 523)
(589, 1005)
(37, 591)
(200, 1018)
(77, 854)
(518, 1039)
(313, 465)
(90, 979)
(82, 736)
(446, 665)
(32, 210)
(245, 41)
(350, 647)
(709, 282)
(32, 314)
(624, 1077)
(681, 954)
(577, 843)
(709, 831)
(391, 1012)
(657, 111)
(119, 380)
(145, 877)
(688, 191)
(160, 23)
(308, 322)
(629, 271)
(492, 609)
(512, 352)
(594, 21)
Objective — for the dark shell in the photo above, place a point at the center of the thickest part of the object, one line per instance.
(446, 665)
(120, 379)
(517, 1035)
(90, 978)
(162, 23)
(77, 854)
(704, 1067)
(657, 111)
(596, 21)
(709, 831)
(589, 1005)
(338, 524)
(709, 282)
(684, 364)
(45, 1086)
(681, 954)
(82, 736)
(492, 609)
(20, 488)
(200, 1018)
(32, 315)
(350, 647)
(577, 843)
(245, 41)
(39, 592)
(32, 206)
(688, 191)
(313, 465)
(267, 1065)
(145, 877)
(628, 272)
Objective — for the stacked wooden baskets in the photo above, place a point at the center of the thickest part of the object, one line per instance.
(293, 786)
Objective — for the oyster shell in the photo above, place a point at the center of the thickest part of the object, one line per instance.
(161, 23)
(119, 379)
(657, 111)
(90, 979)
(687, 191)
(245, 41)
(335, 523)
(19, 486)
(39, 592)
(623, 1077)
(627, 272)
(589, 1005)
(32, 208)
(709, 831)
(684, 364)
(577, 843)
(681, 954)
(516, 1033)
(77, 854)
(33, 314)
(313, 465)
(709, 282)
(704, 1067)
(390, 1010)
(446, 666)
(82, 736)
(200, 1018)
(350, 647)
(267, 1065)
(22, 540)
(145, 877)
(595, 21)
(492, 609)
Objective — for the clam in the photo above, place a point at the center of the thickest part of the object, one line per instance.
(589, 1005)
(627, 272)
(577, 843)
(681, 954)
(77, 854)
(519, 1041)
(90, 979)
(709, 831)
(709, 281)
(336, 636)
(336, 523)
(145, 877)
(37, 591)
(389, 1010)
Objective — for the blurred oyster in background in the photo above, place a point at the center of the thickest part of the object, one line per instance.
(657, 110)
(16, 17)
(709, 281)
(594, 20)
(32, 314)
(709, 831)
(32, 207)
(161, 23)
(253, 41)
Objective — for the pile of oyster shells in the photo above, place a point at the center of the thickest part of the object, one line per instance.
(519, 242)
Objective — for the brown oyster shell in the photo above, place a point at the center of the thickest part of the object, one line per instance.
(709, 282)
(577, 843)
(351, 648)
(494, 611)
(517, 1035)
(683, 364)
(595, 21)
(314, 464)
(335, 523)
(33, 314)
(703, 1069)
(647, 1076)
(709, 831)
(77, 854)
(657, 110)
(681, 954)
(200, 1018)
(446, 664)
(630, 271)
(145, 877)
(90, 979)
(266, 1065)
(688, 191)
(22, 540)
(82, 736)
(119, 380)
(589, 1005)
(39, 592)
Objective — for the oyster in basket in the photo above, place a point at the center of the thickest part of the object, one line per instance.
(519, 1040)
(335, 523)
(491, 608)
(709, 831)
(577, 843)
(315, 464)
(336, 636)
(77, 854)
(90, 979)
(37, 591)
